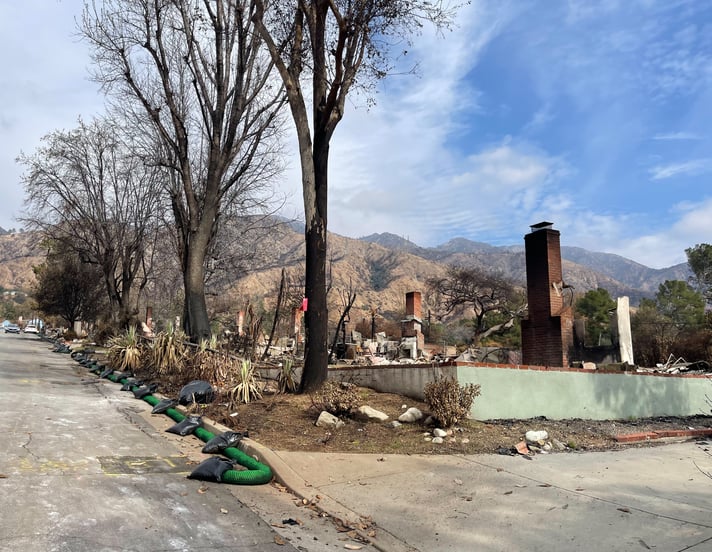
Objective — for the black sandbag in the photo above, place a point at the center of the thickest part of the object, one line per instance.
(197, 391)
(106, 373)
(211, 469)
(164, 405)
(220, 442)
(122, 375)
(187, 426)
(141, 392)
(130, 383)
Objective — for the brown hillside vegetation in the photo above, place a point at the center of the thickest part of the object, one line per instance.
(19, 253)
(380, 275)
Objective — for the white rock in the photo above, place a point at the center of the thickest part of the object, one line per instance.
(394, 424)
(404, 406)
(536, 436)
(439, 432)
(329, 420)
(368, 414)
(465, 440)
(437, 440)
(428, 438)
(411, 415)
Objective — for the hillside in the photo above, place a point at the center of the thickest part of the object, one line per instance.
(19, 253)
(583, 269)
(381, 268)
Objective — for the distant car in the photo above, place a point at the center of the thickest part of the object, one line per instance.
(31, 328)
(12, 328)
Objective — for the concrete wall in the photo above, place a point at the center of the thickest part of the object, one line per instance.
(404, 379)
(527, 392)
(522, 392)
(407, 379)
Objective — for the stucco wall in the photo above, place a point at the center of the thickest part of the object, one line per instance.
(522, 392)
(509, 392)
(408, 379)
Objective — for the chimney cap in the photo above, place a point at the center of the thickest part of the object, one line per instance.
(541, 226)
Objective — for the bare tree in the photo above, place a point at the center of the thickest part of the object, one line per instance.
(348, 298)
(481, 293)
(339, 44)
(68, 288)
(199, 73)
(86, 189)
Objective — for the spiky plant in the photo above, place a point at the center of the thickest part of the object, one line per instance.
(168, 353)
(287, 378)
(125, 351)
(247, 387)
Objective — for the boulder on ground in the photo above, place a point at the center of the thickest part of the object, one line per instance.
(329, 421)
(368, 414)
(536, 437)
(411, 415)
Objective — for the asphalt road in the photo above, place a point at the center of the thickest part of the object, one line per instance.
(82, 470)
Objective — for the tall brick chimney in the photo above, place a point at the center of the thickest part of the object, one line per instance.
(413, 305)
(547, 334)
(412, 325)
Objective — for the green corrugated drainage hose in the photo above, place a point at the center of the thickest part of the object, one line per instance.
(256, 473)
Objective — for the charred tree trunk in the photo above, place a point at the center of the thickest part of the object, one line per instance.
(196, 322)
(280, 296)
(316, 318)
(350, 299)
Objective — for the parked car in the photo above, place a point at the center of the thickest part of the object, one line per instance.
(12, 328)
(31, 328)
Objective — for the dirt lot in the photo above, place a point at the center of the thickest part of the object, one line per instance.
(286, 422)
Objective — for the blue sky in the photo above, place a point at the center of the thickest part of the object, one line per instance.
(593, 115)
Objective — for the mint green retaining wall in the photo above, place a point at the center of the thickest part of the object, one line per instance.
(526, 392)
(511, 392)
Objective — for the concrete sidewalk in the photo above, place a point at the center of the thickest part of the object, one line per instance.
(652, 498)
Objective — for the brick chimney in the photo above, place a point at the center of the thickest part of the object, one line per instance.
(547, 334)
(413, 305)
(412, 325)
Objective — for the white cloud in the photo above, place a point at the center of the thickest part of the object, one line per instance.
(687, 168)
(685, 225)
(677, 136)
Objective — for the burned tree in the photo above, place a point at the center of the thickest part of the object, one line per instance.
(197, 71)
(337, 45)
(68, 288)
(471, 291)
(88, 190)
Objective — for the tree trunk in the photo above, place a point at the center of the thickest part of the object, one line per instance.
(196, 322)
(316, 318)
(342, 319)
(280, 295)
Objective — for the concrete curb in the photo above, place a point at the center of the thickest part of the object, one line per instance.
(323, 504)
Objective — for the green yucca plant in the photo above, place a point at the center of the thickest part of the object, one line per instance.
(168, 351)
(247, 387)
(287, 378)
(125, 351)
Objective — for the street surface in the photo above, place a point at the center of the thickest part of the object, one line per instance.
(81, 469)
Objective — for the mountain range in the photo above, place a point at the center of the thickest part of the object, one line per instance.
(381, 268)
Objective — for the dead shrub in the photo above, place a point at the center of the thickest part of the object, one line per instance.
(337, 398)
(448, 401)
